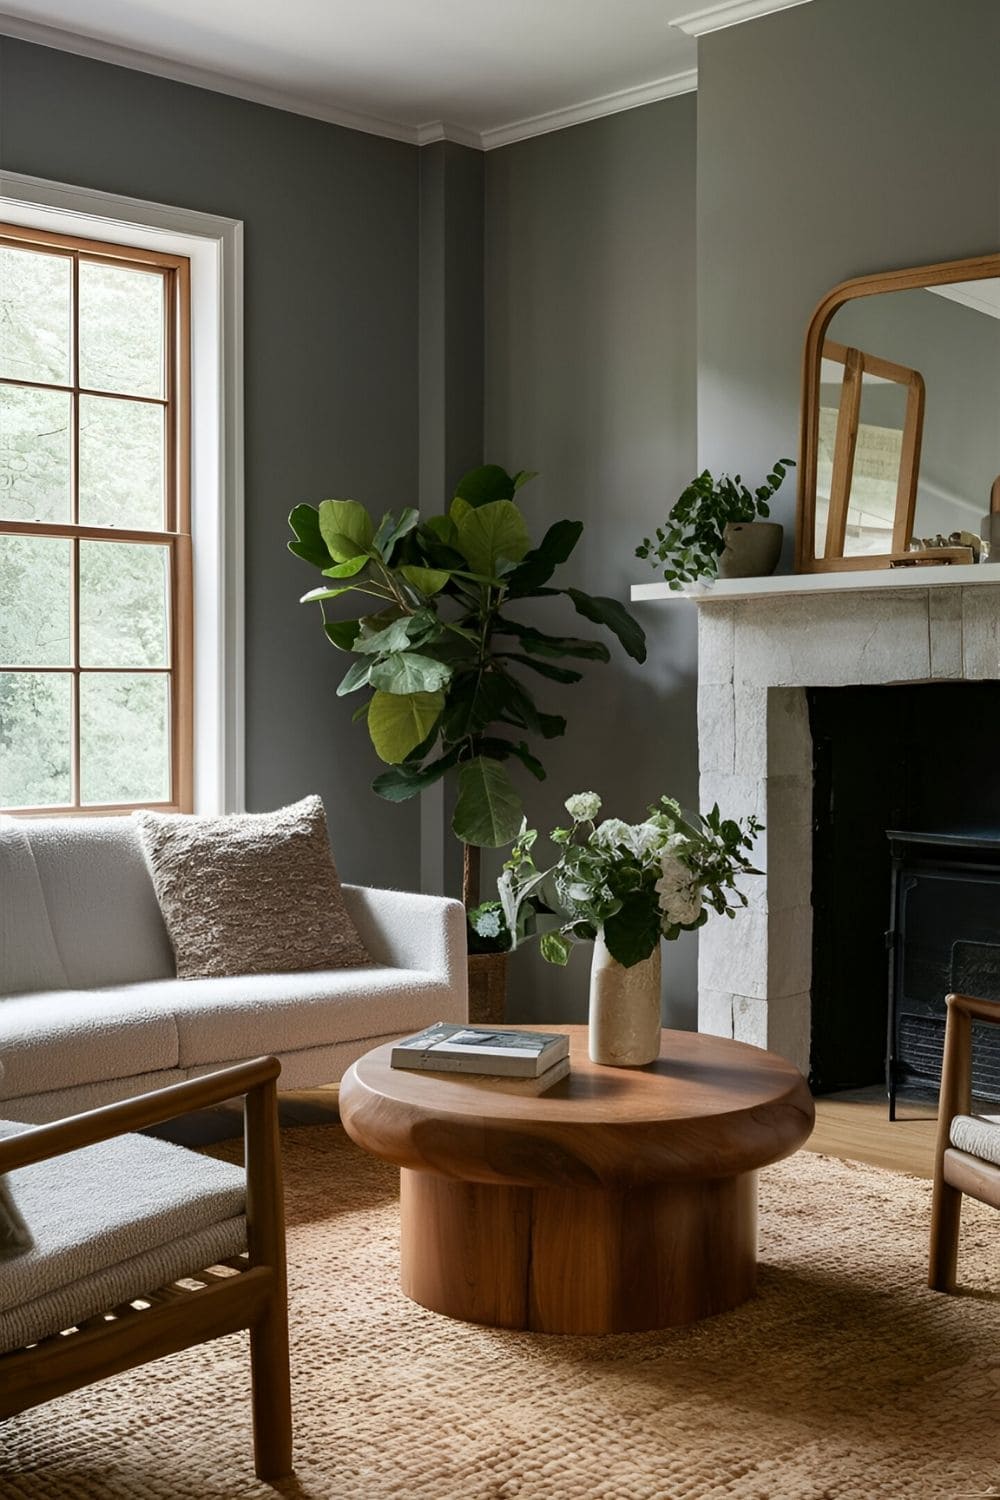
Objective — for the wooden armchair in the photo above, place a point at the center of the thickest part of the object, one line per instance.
(968, 1146)
(243, 1288)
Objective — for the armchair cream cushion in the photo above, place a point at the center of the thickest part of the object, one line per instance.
(978, 1135)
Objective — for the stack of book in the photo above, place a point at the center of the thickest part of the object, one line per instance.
(523, 1062)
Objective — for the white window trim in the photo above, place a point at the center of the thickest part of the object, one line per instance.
(214, 246)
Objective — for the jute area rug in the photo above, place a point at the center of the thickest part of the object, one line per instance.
(845, 1377)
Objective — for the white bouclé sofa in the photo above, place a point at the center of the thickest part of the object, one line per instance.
(91, 1010)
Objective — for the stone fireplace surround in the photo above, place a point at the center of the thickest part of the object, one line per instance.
(758, 652)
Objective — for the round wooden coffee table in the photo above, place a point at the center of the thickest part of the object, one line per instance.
(624, 1199)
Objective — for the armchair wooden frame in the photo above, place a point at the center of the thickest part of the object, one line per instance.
(245, 1292)
(956, 1172)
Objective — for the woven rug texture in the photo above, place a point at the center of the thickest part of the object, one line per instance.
(844, 1379)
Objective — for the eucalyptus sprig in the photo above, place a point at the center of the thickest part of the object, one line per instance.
(437, 644)
(693, 538)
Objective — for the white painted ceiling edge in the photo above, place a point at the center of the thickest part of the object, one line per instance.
(715, 17)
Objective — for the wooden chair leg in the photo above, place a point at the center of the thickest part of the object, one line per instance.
(946, 1212)
(272, 1397)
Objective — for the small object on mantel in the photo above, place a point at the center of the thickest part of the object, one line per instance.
(932, 557)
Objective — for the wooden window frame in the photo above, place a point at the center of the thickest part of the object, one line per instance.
(176, 533)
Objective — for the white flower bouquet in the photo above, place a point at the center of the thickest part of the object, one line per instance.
(635, 882)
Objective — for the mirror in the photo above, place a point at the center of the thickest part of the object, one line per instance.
(900, 451)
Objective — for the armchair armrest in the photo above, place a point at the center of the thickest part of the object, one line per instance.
(410, 931)
(41, 1142)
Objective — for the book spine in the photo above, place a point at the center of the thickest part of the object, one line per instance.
(436, 1062)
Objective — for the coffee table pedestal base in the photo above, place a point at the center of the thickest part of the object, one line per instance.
(578, 1260)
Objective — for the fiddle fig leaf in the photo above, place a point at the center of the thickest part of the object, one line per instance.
(458, 508)
(540, 644)
(523, 476)
(544, 668)
(492, 532)
(315, 595)
(616, 617)
(503, 750)
(399, 635)
(541, 562)
(309, 543)
(488, 811)
(343, 633)
(400, 783)
(356, 676)
(391, 530)
(486, 484)
(409, 672)
(429, 581)
(399, 722)
(348, 569)
(346, 528)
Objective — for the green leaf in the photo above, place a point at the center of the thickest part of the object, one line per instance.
(428, 580)
(504, 749)
(541, 644)
(399, 635)
(555, 948)
(409, 672)
(315, 595)
(347, 569)
(520, 707)
(615, 616)
(391, 530)
(475, 701)
(488, 811)
(346, 528)
(492, 532)
(403, 782)
(634, 930)
(399, 722)
(343, 633)
(310, 546)
(541, 562)
(544, 668)
(484, 485)
(356, 676)
(522, 476)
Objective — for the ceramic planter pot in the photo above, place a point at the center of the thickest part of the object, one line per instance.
(752, 549)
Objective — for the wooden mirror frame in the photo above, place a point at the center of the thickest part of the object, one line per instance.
(943, 273)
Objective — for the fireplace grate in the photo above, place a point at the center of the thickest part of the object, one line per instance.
(921, 1048)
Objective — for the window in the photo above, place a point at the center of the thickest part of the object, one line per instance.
(95, 533)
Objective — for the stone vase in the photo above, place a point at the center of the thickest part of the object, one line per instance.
(624, 1009)
(752, 549)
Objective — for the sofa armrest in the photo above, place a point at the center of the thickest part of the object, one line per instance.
(410, 931)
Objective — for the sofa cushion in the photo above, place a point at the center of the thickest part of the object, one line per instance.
(251, 893)
(100, 902)
(249, 1016)
(29, 957)
(110, 1222)
(979, 1135)
(68, 1037)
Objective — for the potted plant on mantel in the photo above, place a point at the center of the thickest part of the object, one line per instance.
(715, 530)
(441, 656)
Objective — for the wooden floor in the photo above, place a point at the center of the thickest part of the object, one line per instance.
(856, 1127)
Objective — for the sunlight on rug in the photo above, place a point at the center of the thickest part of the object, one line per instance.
(845, 1379)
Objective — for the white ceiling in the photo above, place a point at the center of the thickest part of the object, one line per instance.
(483, 72)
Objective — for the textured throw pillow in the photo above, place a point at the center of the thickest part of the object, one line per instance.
(251, 893)
(15, 1236)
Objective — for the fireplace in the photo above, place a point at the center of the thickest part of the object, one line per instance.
(905, 877)
(766, 648)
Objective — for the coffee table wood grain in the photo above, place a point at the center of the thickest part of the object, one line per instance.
(624, 1199)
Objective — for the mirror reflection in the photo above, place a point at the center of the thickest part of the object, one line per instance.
(908, 443)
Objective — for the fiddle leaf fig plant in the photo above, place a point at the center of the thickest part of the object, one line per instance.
(436, 644)
(693, 538)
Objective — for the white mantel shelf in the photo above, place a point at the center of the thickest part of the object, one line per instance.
(869, 580)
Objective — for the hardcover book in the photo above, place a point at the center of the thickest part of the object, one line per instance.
(445, 1048)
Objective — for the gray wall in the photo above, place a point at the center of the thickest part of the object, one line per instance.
(590, 379)
(835, 138)
(331, 220)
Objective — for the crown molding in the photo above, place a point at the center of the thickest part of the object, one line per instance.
(438, 130)
(591, 109)
(202, 78)
(415, 135)
(729, 13)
